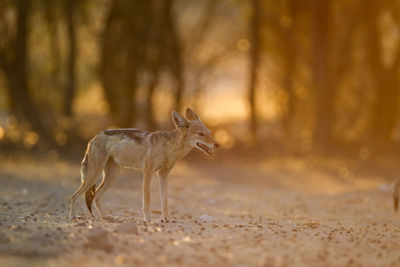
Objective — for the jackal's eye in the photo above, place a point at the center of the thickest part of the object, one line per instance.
(201, 134)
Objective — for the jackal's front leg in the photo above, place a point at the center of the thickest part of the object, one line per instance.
(163, 179)
(147, 175)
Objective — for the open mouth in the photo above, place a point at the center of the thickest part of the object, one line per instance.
(205, 148)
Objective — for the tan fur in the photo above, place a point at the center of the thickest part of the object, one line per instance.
(89, 196)
(155, 152)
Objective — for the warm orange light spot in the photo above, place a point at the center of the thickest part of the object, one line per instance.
(31, 139)
(286, 22)
(301, 92)
(243, 45)
(223, 108)
(61, 138)
(267, 106)
(11, 122)
(90, 100)
(1, 132)
(282, 96)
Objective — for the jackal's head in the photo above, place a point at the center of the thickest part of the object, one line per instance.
(196, 133)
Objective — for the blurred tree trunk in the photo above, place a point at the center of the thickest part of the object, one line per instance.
(120, 51)
(71, 60)
(289, 50)
(175, 46)
(386, 108)
(154, 52)
(140, 42)
(385, 77)
(14, 61)
(321, 70)
(106, 50)
(55, 48)
(254, 30)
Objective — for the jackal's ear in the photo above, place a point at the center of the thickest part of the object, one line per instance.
(180, 122)
(191, 115)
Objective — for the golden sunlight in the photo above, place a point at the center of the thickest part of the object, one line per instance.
(243, 45)
(224, 106)
(31, 139)
(61, 138)
(1, 132)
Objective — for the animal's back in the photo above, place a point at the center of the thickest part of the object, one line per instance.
(128, 147)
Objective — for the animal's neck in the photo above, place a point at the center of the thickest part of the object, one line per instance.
(181, 145)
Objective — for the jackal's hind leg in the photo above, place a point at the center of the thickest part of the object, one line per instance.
(92, 165)
(110, 177)
(73, 199)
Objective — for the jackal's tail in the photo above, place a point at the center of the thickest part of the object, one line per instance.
(395, 193)
(89, 196)
(90, 193)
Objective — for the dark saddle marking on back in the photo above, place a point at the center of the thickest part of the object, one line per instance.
(158, 136)
(137, 135)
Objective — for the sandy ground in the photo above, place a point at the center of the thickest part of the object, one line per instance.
(277, 212)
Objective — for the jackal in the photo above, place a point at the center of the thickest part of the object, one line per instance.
(152, 152)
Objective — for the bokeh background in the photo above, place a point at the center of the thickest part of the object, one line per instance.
(289, 76)
(302, 95)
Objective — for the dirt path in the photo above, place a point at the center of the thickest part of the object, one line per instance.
(273, 213)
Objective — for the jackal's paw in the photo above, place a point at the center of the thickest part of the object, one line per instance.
(73, 218)
(164, 219)
(147, 220)
(71, 215)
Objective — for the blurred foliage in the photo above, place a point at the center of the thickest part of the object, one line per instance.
(308, 74)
